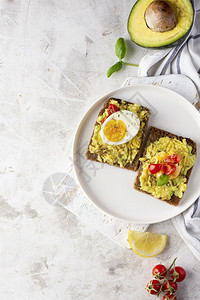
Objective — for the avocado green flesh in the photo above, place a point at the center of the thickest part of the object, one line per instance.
(118, 154)
(155, 153)
(144, 36)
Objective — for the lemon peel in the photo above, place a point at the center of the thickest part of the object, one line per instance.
(147, 244)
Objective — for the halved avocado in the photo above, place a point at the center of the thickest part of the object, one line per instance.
(160, 23)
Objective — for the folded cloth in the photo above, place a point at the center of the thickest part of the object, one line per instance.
(182, 59)
(187, 225)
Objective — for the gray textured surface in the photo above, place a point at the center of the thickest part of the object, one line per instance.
(53, 60)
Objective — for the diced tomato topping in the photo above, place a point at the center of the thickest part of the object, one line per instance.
(169, 166)
(103, 120)
(112, 108)
(169, 169)
(173, 159)
(154, 168)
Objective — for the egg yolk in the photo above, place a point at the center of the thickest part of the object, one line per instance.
(115, 130)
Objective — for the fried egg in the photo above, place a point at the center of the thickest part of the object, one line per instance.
(120, 127)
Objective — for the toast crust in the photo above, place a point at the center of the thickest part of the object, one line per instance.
(135, 164)
(155, 134)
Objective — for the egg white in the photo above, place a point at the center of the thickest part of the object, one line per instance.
(131, 121)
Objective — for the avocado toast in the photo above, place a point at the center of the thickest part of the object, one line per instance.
(120, 154)
(166, 165)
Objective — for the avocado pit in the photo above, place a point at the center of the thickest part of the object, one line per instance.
(160, 16)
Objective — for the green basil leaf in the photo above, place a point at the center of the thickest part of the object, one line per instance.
(120, 48)
(163, 179)
(115, 68)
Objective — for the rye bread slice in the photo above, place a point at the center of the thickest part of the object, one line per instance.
(135, 164)
(155, 134)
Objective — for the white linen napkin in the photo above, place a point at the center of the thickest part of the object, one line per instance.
(182, 59)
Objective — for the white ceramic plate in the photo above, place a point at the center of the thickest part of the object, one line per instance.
(111, 188)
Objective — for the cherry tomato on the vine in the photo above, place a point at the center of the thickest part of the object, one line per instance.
(159, 271)
(154, 168)
(169, 286)
(169, 297)
(153, 287)
(178, 274)
(173, 159)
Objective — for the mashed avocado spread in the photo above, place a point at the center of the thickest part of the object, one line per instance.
(154, 155)
(119, 154)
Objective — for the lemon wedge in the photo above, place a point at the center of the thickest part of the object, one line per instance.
(147, 244)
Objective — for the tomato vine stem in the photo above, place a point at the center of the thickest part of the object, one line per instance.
(165, 278)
